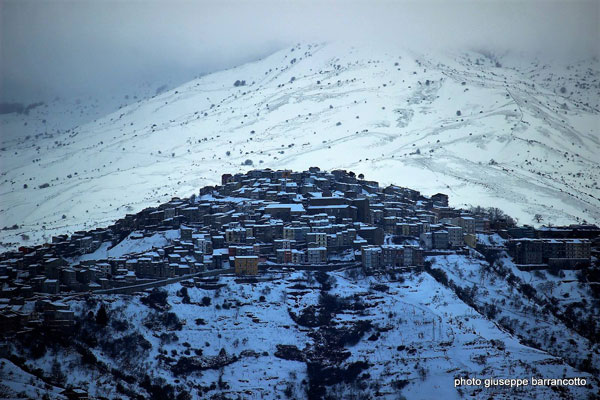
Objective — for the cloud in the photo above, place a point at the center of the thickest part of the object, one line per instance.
(85, 47)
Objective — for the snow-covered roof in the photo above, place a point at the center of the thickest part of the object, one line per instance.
(293, 207)
(329, 206)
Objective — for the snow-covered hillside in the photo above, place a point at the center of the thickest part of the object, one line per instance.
(291, 335)
(522, 136)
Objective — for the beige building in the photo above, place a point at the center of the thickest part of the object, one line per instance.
(246, 265)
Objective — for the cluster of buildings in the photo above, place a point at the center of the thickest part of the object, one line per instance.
(555, 248)
(303, 219)
(264, 218)
(51, 315)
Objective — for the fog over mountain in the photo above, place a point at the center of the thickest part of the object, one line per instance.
(86, 48)
(67, 65)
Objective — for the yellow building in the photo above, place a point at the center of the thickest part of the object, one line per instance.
(470, 240)
(246, 265)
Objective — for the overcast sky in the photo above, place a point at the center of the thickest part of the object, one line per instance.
(50, 48)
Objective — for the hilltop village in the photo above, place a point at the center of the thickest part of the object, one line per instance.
(267, 219)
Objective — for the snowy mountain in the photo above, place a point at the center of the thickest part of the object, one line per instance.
(488, 130)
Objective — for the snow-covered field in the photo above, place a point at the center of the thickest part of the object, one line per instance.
(503, 132)
(134, 243)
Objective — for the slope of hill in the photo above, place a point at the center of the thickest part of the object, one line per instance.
(290, 335)
(521, 137)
